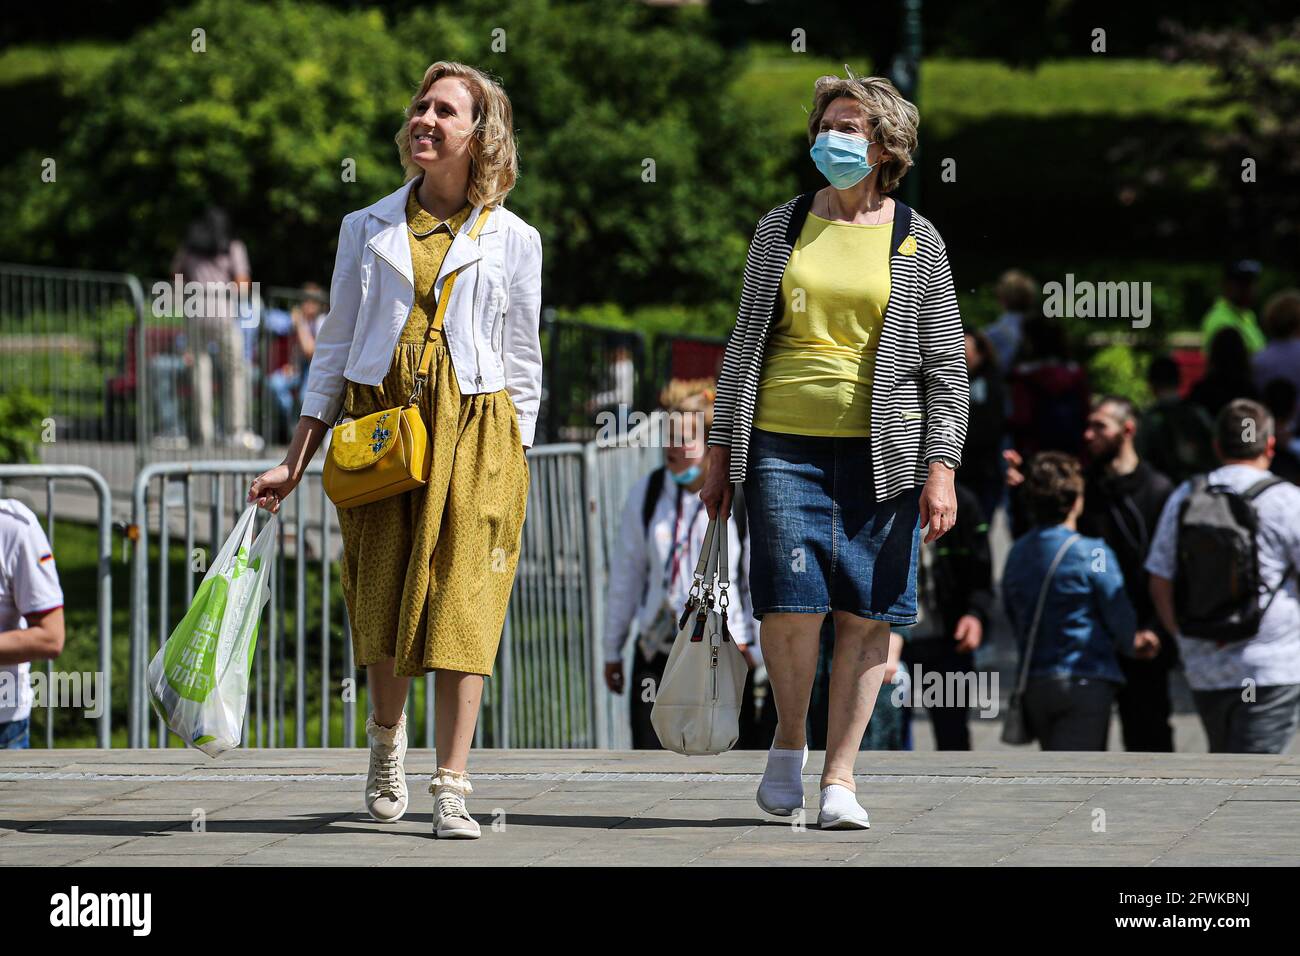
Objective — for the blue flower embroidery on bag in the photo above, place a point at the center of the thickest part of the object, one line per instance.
(380, 435)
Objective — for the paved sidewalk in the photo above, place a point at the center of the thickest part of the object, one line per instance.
(567, 808)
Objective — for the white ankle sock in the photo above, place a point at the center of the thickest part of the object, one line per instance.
(782, 784)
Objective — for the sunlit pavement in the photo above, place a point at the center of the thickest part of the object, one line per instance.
(582, 807)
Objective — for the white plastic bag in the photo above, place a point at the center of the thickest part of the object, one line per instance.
(697, 704)
(198, 680)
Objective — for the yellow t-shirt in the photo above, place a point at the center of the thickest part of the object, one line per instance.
(821, 355)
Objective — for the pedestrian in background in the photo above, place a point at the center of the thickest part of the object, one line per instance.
(1208, 580)
(1086, 619)
(212, 257)
(31, 616)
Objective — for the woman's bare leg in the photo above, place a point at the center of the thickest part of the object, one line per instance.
(456, 696)
(387, 692)
(857, 671)
(790, 644)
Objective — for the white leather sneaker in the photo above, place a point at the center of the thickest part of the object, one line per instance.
(386, 795)
(840, 810)
(451, 819)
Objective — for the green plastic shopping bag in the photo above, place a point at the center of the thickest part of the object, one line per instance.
(198, 680)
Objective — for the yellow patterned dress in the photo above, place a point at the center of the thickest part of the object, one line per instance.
(427, 575)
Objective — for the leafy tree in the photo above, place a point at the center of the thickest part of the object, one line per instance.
(600, 91)
(1242, 167)
(257, 114)
(262, 119)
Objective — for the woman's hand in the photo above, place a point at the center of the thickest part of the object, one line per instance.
(938, 502)
(715, 494)
(270, 488)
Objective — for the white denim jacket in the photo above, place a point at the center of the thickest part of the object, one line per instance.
(491, 325)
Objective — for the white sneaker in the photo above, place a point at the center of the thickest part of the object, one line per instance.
(386, 795)
(780, 792)
(451, 819)
(840, 810)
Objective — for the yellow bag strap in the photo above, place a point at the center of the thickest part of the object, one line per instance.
(426, 356)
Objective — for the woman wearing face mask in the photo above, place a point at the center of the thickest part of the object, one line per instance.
(842, 406)
(427, 574)
(650, 571)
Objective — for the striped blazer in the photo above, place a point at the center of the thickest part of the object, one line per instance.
(920, 397)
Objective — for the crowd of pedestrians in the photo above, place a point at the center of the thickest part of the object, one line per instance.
(1098, 493)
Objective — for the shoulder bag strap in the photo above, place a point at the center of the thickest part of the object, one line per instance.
(426, 355)
(1250, 494)
(1038, 611)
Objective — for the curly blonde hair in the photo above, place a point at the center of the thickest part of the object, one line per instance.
(494, 163)
(893, 118)
(689, 395)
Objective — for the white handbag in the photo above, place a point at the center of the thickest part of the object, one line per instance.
(697, 704)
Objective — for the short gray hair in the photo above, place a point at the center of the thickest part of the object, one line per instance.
(1243, 429)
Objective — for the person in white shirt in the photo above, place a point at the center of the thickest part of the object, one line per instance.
(1247, 691)
(31, 616)
(652, 567)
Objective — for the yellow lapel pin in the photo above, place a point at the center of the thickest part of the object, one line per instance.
(908, 248)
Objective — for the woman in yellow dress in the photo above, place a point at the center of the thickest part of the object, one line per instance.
(427, 574)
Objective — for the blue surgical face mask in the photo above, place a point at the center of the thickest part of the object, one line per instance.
(841, 158)
(687, 476)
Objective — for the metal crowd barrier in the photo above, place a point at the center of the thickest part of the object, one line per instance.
(104, 580)
(193, 397)
(548, 688)
(117, 359)
(218, 488)
(68, 337)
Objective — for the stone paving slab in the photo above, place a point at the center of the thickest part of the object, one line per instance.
(617, 808)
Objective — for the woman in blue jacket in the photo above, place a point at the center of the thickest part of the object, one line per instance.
(1086, 619)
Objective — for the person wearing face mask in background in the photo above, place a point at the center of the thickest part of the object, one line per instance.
(845, 425)
(652, 566)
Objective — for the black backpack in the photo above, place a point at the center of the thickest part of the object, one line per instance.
(1217, 582)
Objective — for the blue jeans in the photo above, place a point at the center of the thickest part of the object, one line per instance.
(16, 734)
(820, 540)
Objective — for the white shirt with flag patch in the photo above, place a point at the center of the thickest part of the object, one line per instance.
(29, 584)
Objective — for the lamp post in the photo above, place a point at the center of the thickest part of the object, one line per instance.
(905, 72)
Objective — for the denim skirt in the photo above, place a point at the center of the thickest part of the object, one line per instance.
(819, 541)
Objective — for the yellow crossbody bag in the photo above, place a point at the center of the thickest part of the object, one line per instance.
(387, 453)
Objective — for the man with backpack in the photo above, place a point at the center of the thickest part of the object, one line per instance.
(1223, 578)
